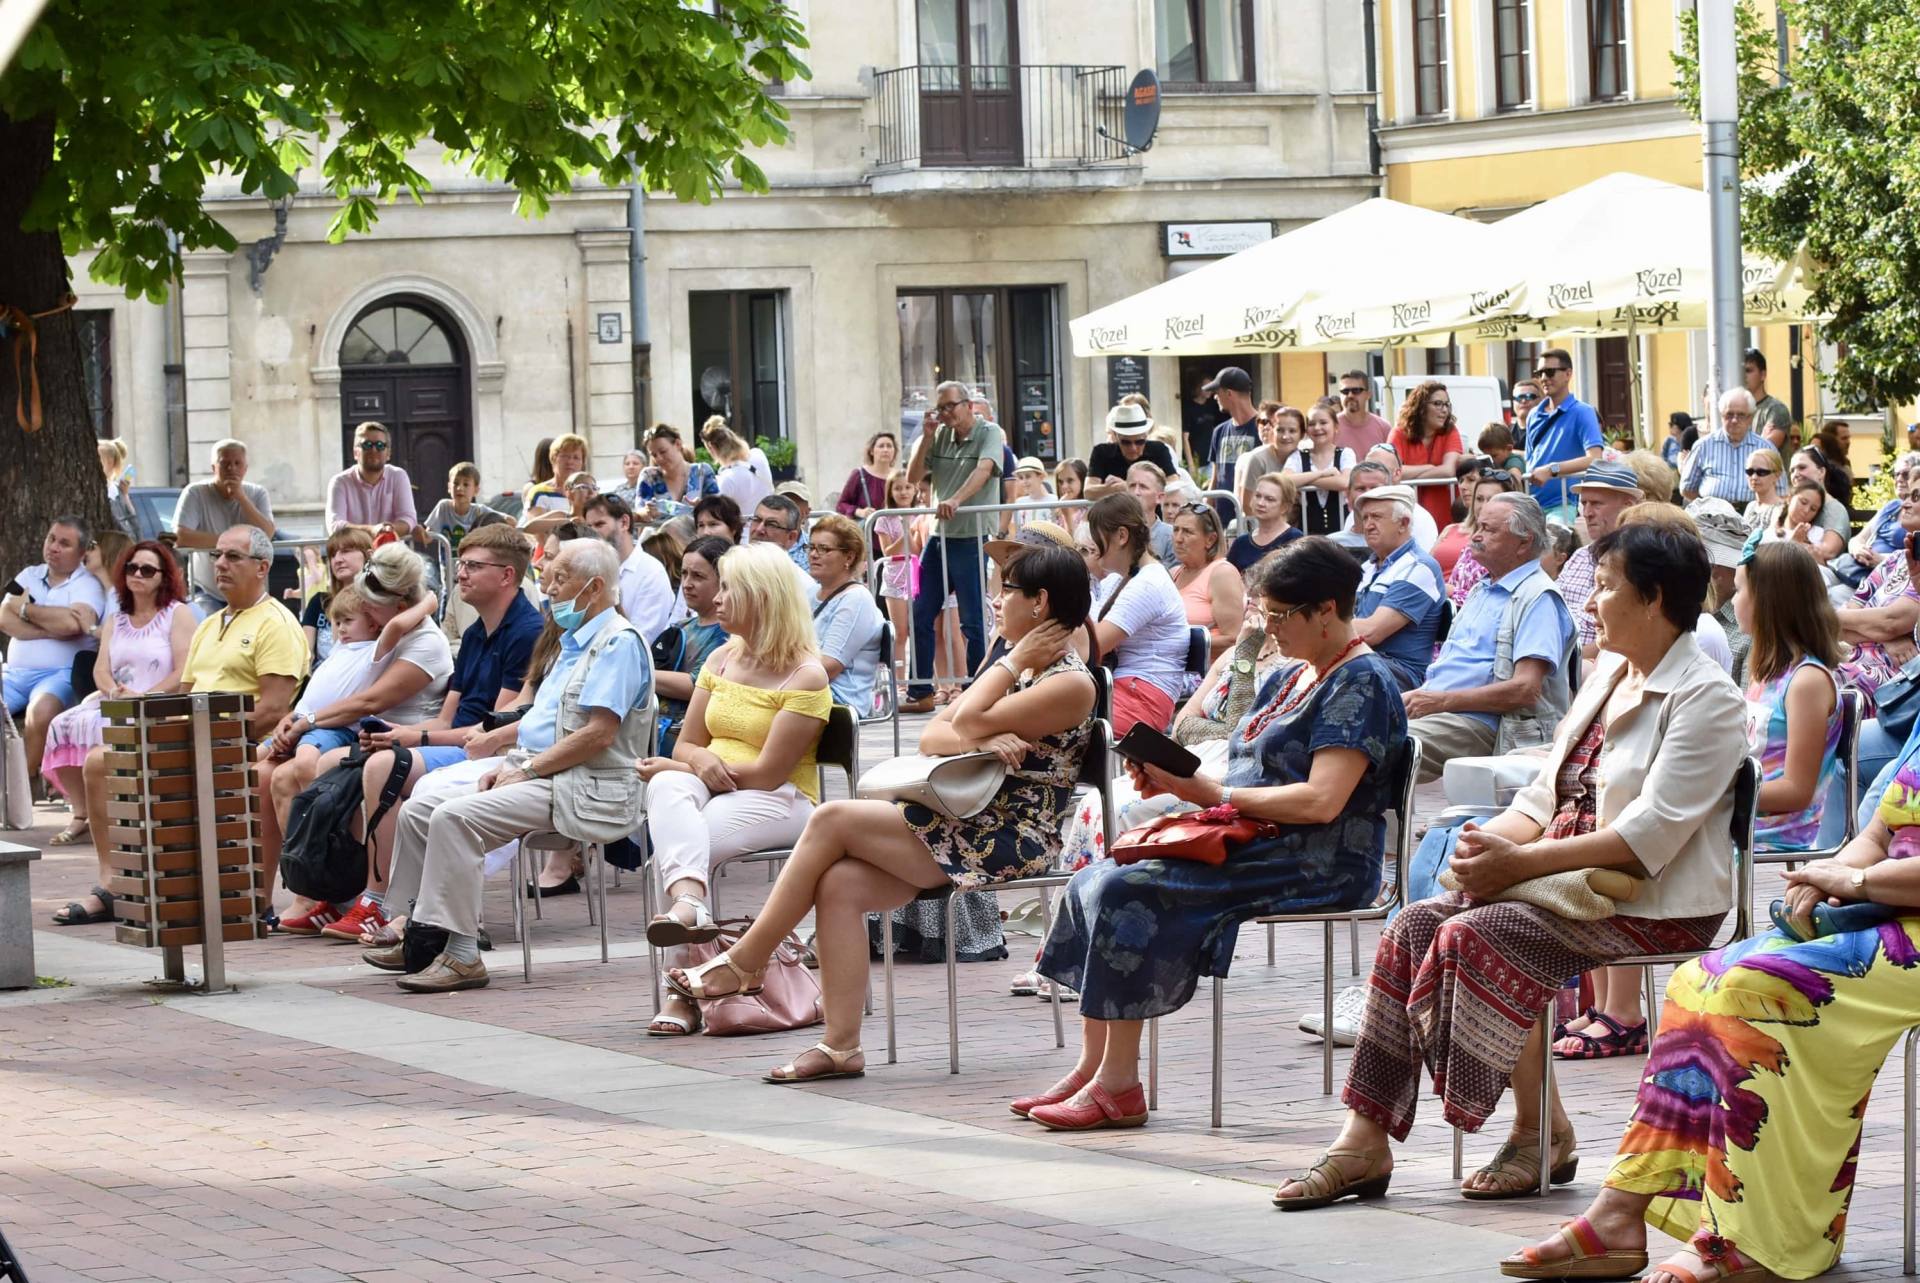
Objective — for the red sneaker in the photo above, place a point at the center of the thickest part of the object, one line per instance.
(311, 922)
(365, 915)
(1025, 1105)
(1096, 1108)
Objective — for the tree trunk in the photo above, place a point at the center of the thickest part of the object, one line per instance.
(56, 470)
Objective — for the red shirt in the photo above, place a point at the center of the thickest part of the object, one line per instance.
(1437, 500)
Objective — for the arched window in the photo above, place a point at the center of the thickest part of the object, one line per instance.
(397, 334)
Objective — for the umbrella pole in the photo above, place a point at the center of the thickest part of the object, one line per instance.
(1635, 426)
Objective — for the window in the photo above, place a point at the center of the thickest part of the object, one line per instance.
(96, 366)
(1430, 57)
(1512, 85)
(1443, 360)
(1607, 49)
(396, 334)
(739, 350)
(999, 341)
(1521, 358)
(1204, 43)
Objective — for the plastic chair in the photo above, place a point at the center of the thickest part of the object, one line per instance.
(1096, 773)
(1848, 750)
(839, 747)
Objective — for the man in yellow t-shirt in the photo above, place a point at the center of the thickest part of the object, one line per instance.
(253, 647)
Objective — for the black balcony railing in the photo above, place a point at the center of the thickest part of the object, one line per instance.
(1036, 116)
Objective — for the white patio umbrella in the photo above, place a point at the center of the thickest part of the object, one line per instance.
(1270, 298)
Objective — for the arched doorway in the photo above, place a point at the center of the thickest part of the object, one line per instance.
(404, 363)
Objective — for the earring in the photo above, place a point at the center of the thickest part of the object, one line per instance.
(1036, 612)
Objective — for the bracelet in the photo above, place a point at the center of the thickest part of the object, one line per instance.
(1006, 662)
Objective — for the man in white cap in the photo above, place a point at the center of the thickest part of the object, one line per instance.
(1107, 465)
(1383, 469)
(1402, 591)
(1725, 532)
(803, 500)
(1604, 492)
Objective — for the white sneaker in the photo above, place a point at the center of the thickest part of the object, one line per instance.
(1347, 1006)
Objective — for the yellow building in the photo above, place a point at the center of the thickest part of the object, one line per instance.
(1489, 106)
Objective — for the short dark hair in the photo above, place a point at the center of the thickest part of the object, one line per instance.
(1756, 358)
(723, 509)
(1661, 561)
(615, 507)
(1561, 354)
(1680, 419)
(784, 506)
(1058, 572)
(1110, 514)
(1361, 375)
(76, 523)
(709, 548)
(1307, 572)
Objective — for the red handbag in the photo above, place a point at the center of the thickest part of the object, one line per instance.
(1202, 836)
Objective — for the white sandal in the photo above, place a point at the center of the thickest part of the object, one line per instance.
(666, 930)
(664, 1025)
(790, 1072)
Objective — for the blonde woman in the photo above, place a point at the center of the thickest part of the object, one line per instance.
(742, 776)
(744, 474)
(113, 462)
(1766, 474)
(567, 455)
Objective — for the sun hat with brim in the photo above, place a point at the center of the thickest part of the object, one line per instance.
(1402, 495)
(795, 490)
(1035, 534)
(1607, 475)
(1129, 420)
(1028, 463)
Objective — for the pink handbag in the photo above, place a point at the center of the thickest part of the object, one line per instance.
(789, 997)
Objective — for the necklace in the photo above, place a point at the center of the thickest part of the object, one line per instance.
(1286, 699)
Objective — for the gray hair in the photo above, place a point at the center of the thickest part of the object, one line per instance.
(966, 393)
(1732, 397)
(1910, 460)
(259, 543)
(593, 559)
(394, 574)
(223, 446)
(1527, 520)
(1369, 465)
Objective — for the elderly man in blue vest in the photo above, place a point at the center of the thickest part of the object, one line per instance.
(1500, 681)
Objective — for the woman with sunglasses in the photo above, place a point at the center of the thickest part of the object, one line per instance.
(1467, 570)
(143, 644)
(1764, 471)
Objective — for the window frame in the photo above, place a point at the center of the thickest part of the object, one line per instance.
(93, 327)
(1438, 17)
(1613, 51)
(1522, 56)
(747, 406)
(1244, 84)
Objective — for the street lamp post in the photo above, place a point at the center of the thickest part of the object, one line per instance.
(1719, 120)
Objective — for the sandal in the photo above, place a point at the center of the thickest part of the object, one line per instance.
(76, 831)
(1619, 1040)
(1025, 985)
(76, 914)
(667, 930)
(1591, 1258)
(1325, 1186)
(1517, 1166)
(693, 984)
(791, 1072)
(1720, 1262)
(1560, 1027)
(664, 1025)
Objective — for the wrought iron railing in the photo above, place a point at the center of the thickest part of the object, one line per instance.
(1036, 116)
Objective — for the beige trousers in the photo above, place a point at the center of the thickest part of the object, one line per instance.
(442, 838)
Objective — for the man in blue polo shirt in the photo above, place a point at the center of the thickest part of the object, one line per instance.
(1401, 588)
(1563, 436)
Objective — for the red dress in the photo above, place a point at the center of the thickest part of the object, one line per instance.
(1437, 500)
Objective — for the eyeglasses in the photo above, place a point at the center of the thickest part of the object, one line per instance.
(1500, 475)
(761, 523)
(1440, 405)
(377, 446)
(142, 569)
(472, 566)
(227, 555)
(819, 547)
(944, 407)
(1735, 414)
(1548, 371)
(1763, 472)
(1282, 616)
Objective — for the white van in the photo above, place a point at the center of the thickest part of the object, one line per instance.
(1478, 399)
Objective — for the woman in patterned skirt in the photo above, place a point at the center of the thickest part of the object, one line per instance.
(1313, 758)
(1747, 1130)
(1640, 780)
(1034, 709)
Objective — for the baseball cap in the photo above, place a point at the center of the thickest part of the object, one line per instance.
(1233, 379)
(795, 490)
(1607, 475)
(1129, 420)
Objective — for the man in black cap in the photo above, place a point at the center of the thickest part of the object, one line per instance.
(1232, 391)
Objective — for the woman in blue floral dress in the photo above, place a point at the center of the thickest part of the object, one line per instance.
(1313, 757)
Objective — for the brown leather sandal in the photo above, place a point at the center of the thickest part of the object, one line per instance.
(1517, 1167)
(1325, 1185)
(838, 1065)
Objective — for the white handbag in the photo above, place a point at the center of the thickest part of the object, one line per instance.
(958, 787)
(18, 791)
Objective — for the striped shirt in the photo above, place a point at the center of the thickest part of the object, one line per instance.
(1576, 585)
(1408, 581)
(1717, 469)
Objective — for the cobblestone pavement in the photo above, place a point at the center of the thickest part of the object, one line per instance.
(321, 1125)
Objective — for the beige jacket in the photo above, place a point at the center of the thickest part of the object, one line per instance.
(1665, 777)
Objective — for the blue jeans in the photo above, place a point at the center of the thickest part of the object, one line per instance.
(962, 561)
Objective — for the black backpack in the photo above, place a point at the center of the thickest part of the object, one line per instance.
(320, 858)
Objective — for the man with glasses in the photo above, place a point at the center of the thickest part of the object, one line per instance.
(1359, 429)
(1563, 437)
(777, 521)
(225, 500)
(1772, 421)
(1109, 462)
(961, 456)
(1717, 468)
(49, 611)
(646, 594)
(374, 493)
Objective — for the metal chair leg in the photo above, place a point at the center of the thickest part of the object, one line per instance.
(1459, 1149)
(1326, 1014)
(1353, 937)
(1653, 1003)
(586, 869)
(650, 899)
(953, 991)
(1906, 1161)
(1545, 1136)
(1053, 990)
(1153, 1064)
(1219, 1040)
(886, 980)
(1269, 944)
(597, 866)
(526, 941)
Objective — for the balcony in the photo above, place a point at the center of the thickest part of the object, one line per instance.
(979, 127)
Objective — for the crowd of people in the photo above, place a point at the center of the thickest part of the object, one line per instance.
(1293, 596)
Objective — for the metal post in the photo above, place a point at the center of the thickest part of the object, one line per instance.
(1326, 1010)
(213, 944)
(1219, 1041)
(953, 992)
(1153, 1064)
(1906, 1161)
(1053, 987)
(1545, 1134)
(886, 972)
(1720, 114)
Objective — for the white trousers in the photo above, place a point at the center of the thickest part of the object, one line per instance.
(689, 825)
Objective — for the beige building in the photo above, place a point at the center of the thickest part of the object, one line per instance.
(951, 198)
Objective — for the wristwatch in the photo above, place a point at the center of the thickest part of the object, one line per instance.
(1243, 666)
(526, 769)
(1226, 795)
(1553, 469)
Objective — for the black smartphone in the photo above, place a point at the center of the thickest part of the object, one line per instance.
(1149, 747)
(370, 725)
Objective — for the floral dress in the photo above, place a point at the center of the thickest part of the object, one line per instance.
(1018, 834)
(1870, 664)
(1466, 572)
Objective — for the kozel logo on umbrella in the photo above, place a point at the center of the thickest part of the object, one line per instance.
(1255, 318)
(1102, 337)
(1408, 315)
(1333, 327)
(1656, 281)
(1761, 303)
(1754, 274)
(1569, 295)
(1184, 327)
(1480, 302)
(1658, 314)
(1267, 340)
(1503, 327)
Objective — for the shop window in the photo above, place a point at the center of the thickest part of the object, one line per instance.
(1607, 49)
(1204, 44)
(739, 350)
(95, 329)
(1002, 342)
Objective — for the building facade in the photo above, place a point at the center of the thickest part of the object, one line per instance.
(955, 191)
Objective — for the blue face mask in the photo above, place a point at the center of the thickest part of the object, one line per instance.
(569, 615)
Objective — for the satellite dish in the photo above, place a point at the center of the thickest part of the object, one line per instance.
(1142, 115)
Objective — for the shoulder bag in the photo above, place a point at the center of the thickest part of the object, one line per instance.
(958, 787)
(788, 999)
(1896, 701)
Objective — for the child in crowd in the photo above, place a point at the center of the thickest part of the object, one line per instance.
(899, 576)
(1496, 442)
(459, 512)
(1030, 486)
(354, 663)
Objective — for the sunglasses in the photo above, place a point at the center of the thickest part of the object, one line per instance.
(1493, 474)
(1526, 396)
(1763, 472)
(143, 569)
(1548, 371)
(378, 446)
(1353, 391)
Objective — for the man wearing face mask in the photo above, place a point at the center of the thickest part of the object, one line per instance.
(570, 771)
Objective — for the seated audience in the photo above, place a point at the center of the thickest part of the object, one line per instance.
(1270, 508)
(1141, 623)
(777, 522)
(674, 481)
(742, 471)
(719, 516)
(1766, 474)
(1639, 780)
(347, 551)
(1746, 1134)
(1562, 543)
(1311, 760)
(1725, 534)
(374, 493)
(566, 456)
(1827, 530)
(1320, 469)
(1882, 536)
(207, 508)
(49, 613)
(460, 511)
(1211, 589)
(1500, 682)
(1380, 468)
(681, 653)
(1467, 570)
(743, 775)
(846, 622)
(646, 592)
(1604, 492)
(1148, 486)
(584, 730)
(1878, 623)
(1793, 699)
(143, 647)
(1033, 708)
(1401, 601)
